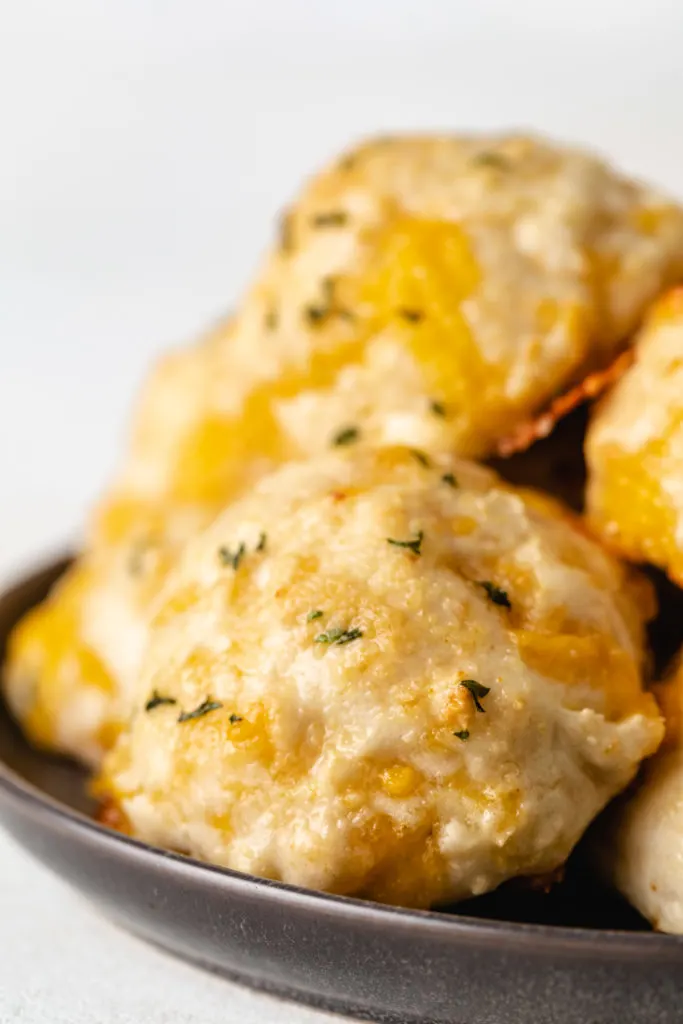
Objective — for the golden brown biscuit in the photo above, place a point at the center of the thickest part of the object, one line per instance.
(642, 842)
(73, 661)
(382, 677)
(634, 448)
(432, 291)
(436, 291)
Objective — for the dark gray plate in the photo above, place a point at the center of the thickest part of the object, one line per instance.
(511, 958)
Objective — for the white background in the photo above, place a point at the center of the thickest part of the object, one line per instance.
(145, 148)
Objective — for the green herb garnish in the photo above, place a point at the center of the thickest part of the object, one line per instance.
(449, 479)
(438, 408)
(315, 614)
(235, 718)
(477, 691)
(420, 457)
(348, 635)
(347, 435)
(413, 316)
(463, 734)
(412, 545)
(204, 708)
(487, 158)
(331, 219)
(497, 594)
(232, 558)
(319, 311)
(316, 314)
(262, 541)
(156, 700)
(338, 636)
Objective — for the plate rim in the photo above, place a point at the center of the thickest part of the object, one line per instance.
(578, 941)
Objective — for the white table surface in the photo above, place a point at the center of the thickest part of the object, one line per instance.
(144, 149)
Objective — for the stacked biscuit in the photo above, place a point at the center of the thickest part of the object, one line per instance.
(310, 638)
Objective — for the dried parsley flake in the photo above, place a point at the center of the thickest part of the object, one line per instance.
(204, 708)
(477, 691)
(412, 545)
(420, 457)
(330, 219)
(316, 314)
(497, 594)
(347, 435)
(232, 558)
(413, 316)
(157, 699)
(338, 635)
(487, 158)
